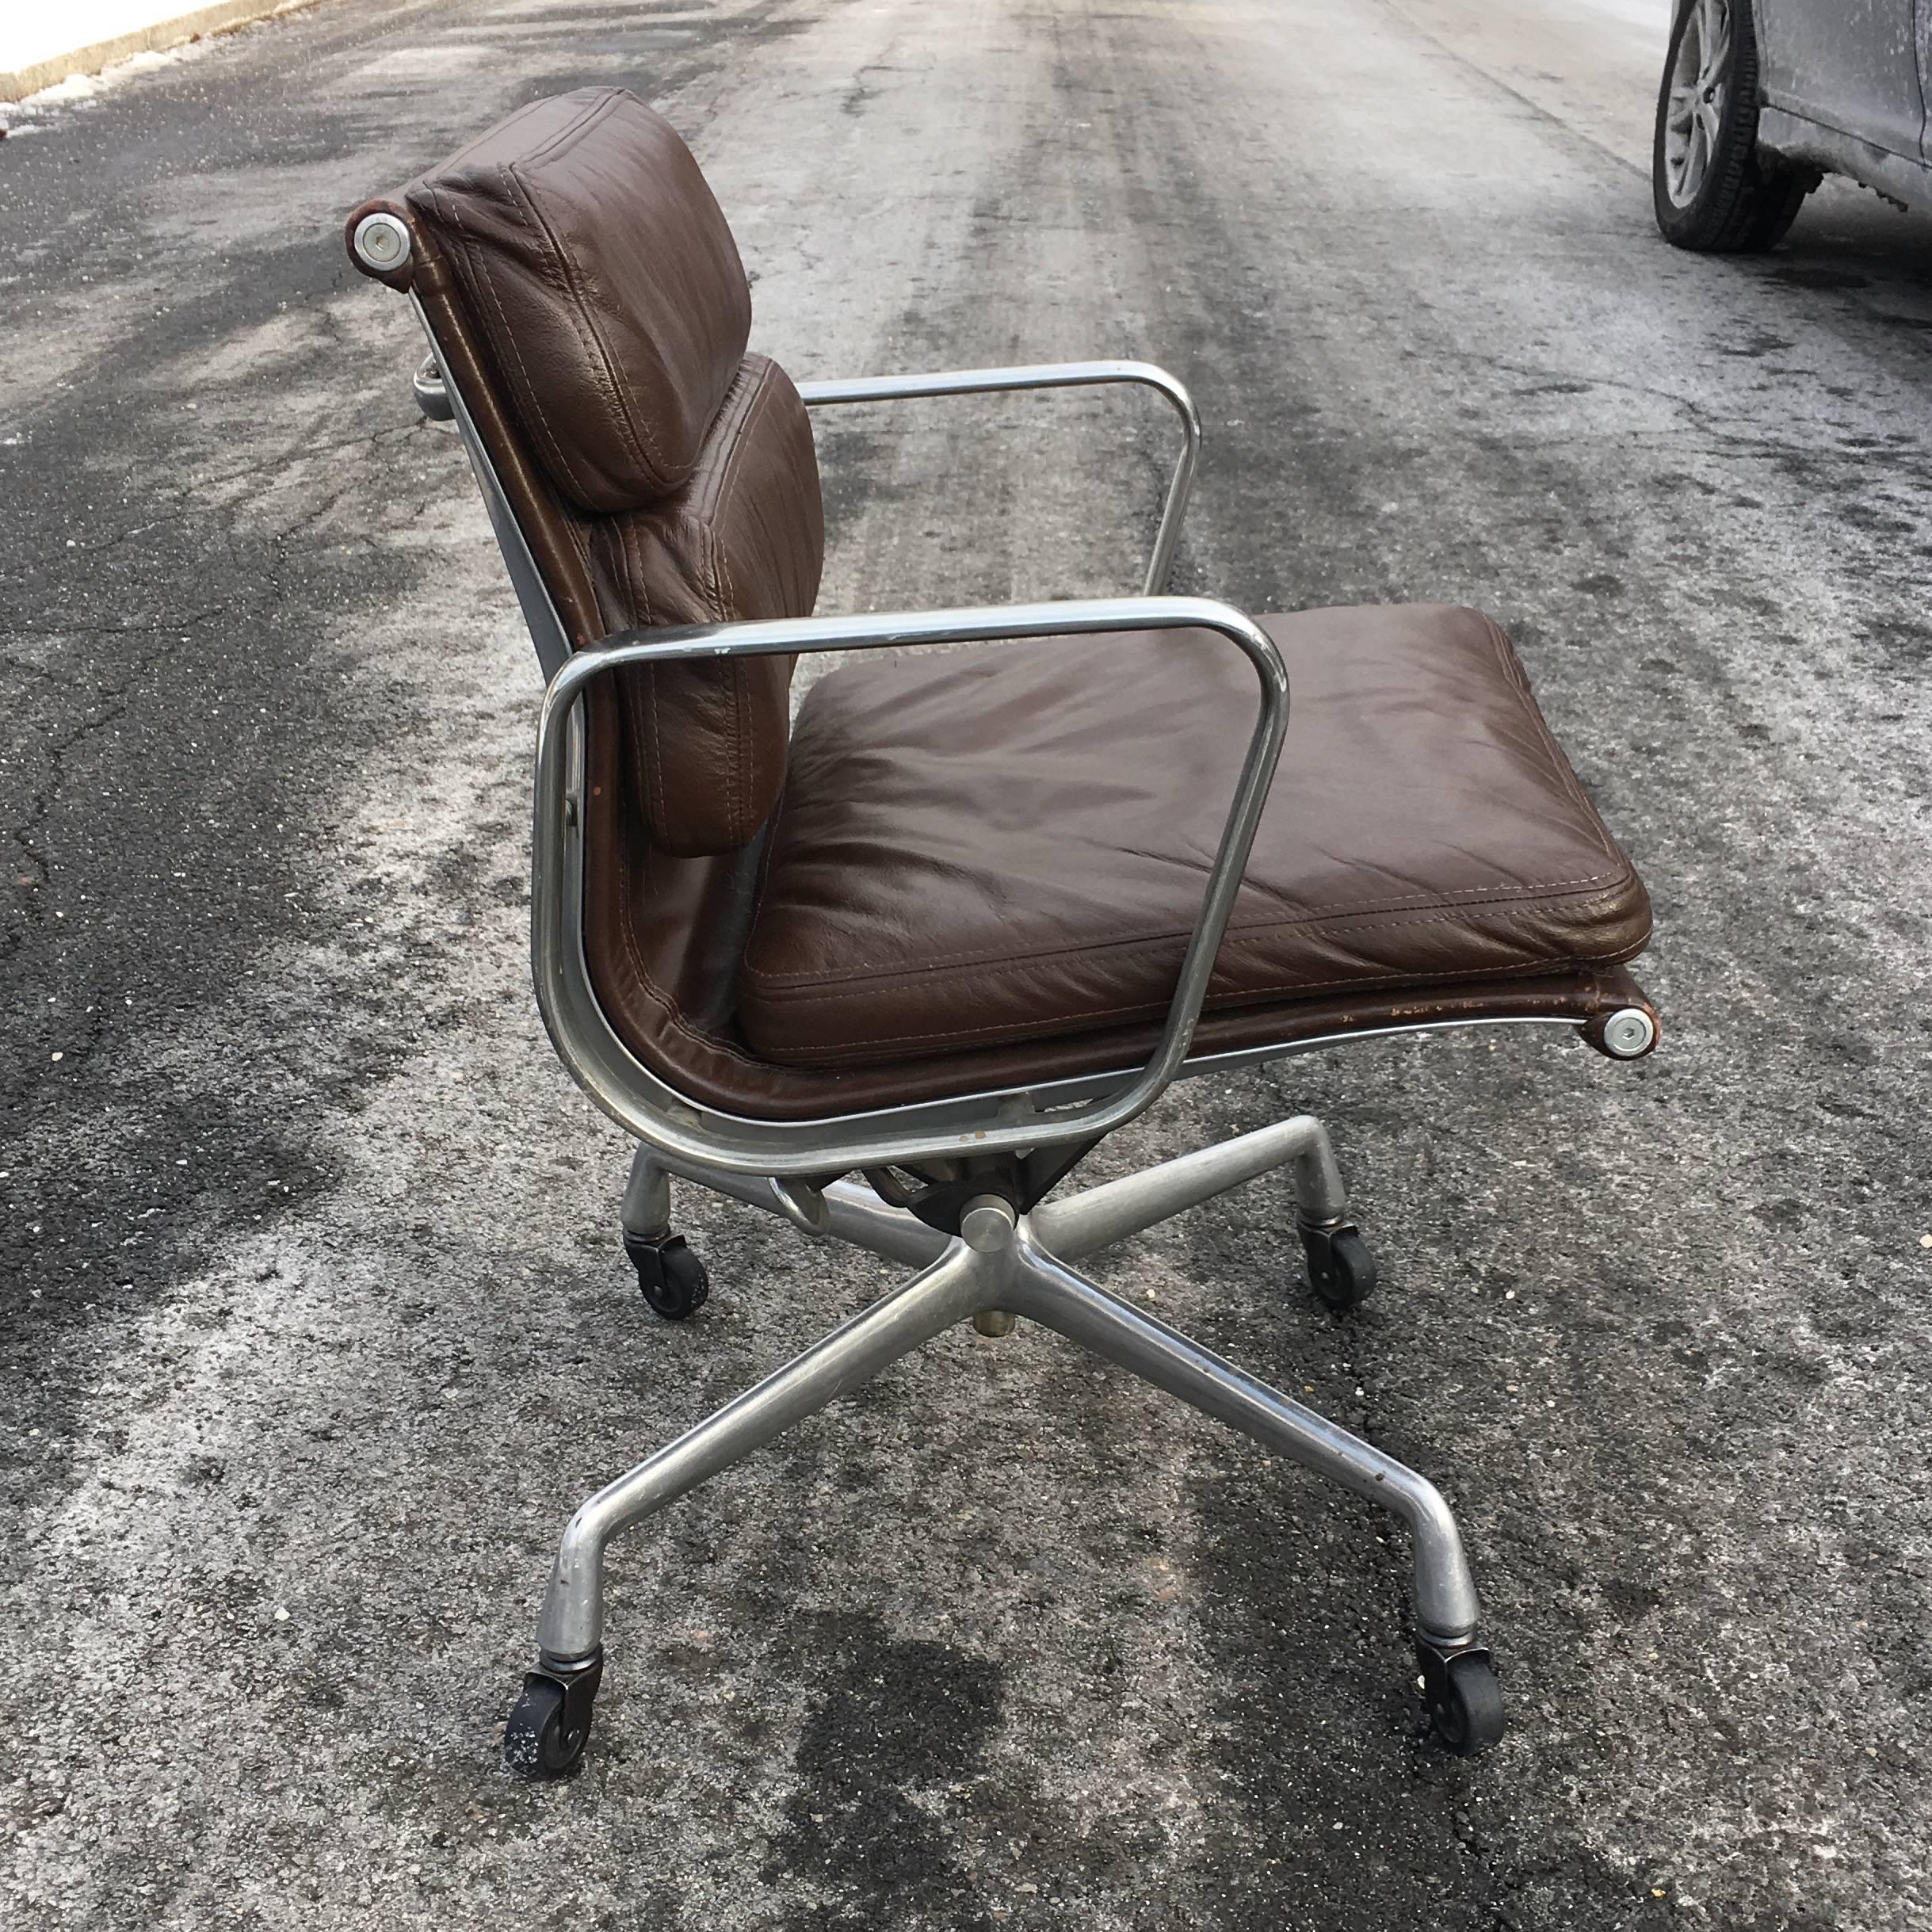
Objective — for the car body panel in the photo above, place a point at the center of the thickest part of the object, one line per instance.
(1806, 143)
(1851, 66)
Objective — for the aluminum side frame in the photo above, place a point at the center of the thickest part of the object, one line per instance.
(657, 1114)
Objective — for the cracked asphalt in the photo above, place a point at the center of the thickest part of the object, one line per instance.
(316, 1327)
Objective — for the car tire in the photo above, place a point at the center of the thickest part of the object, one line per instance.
(1712, 191)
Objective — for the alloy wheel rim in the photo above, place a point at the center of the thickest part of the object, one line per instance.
(1699, 94)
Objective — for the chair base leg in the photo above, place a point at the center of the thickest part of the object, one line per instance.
(1004, 1266)
(854, 1215)
(646, 1208)
(1083, 1223)
(1046, 1289)
(1341, 1269)
(951, 1290)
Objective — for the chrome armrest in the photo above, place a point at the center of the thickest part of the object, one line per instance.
(675, 1126)
(1048, 376)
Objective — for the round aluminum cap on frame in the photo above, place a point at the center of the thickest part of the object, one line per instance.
(382, 241)
(1628, 1033)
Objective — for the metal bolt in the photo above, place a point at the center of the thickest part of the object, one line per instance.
(987, 1224)
(382, 241)
(1628, 1033)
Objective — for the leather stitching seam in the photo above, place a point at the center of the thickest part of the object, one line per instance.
(480, 258)
(1559, 758)
(673, 1012)
(1021, 1031)
(597, 358)
(1251, 934)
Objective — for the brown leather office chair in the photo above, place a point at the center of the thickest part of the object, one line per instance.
(890, 971)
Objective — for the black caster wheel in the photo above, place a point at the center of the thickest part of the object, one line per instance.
(673, 1278)
(1341, 1269)
(550, 1723)
(1465, 1699)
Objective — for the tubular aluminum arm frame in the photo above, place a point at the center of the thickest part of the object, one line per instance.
(668, 1121)
(435, 398)
(1048, 376)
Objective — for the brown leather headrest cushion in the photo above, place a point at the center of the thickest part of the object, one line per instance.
(605, 284)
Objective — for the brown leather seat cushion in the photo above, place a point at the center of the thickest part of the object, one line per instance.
(1009, 843)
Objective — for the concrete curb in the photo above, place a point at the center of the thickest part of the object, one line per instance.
(220, 17)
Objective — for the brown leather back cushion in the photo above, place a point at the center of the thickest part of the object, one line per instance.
(600, 273)
(598, 276)
(743, 540)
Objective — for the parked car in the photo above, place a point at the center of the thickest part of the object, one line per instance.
(1761, 98)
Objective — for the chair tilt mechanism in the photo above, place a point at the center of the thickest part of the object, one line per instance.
(890, 971)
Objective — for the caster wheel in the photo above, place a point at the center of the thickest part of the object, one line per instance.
(673, 1278)
(1465, 1700)
(1341, 1269)
(549, 1724)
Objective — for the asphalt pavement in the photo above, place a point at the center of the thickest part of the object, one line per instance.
(315, 1324)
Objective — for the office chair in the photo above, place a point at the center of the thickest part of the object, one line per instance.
(890, 971)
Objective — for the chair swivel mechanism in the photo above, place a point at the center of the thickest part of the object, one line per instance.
(890, 971)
